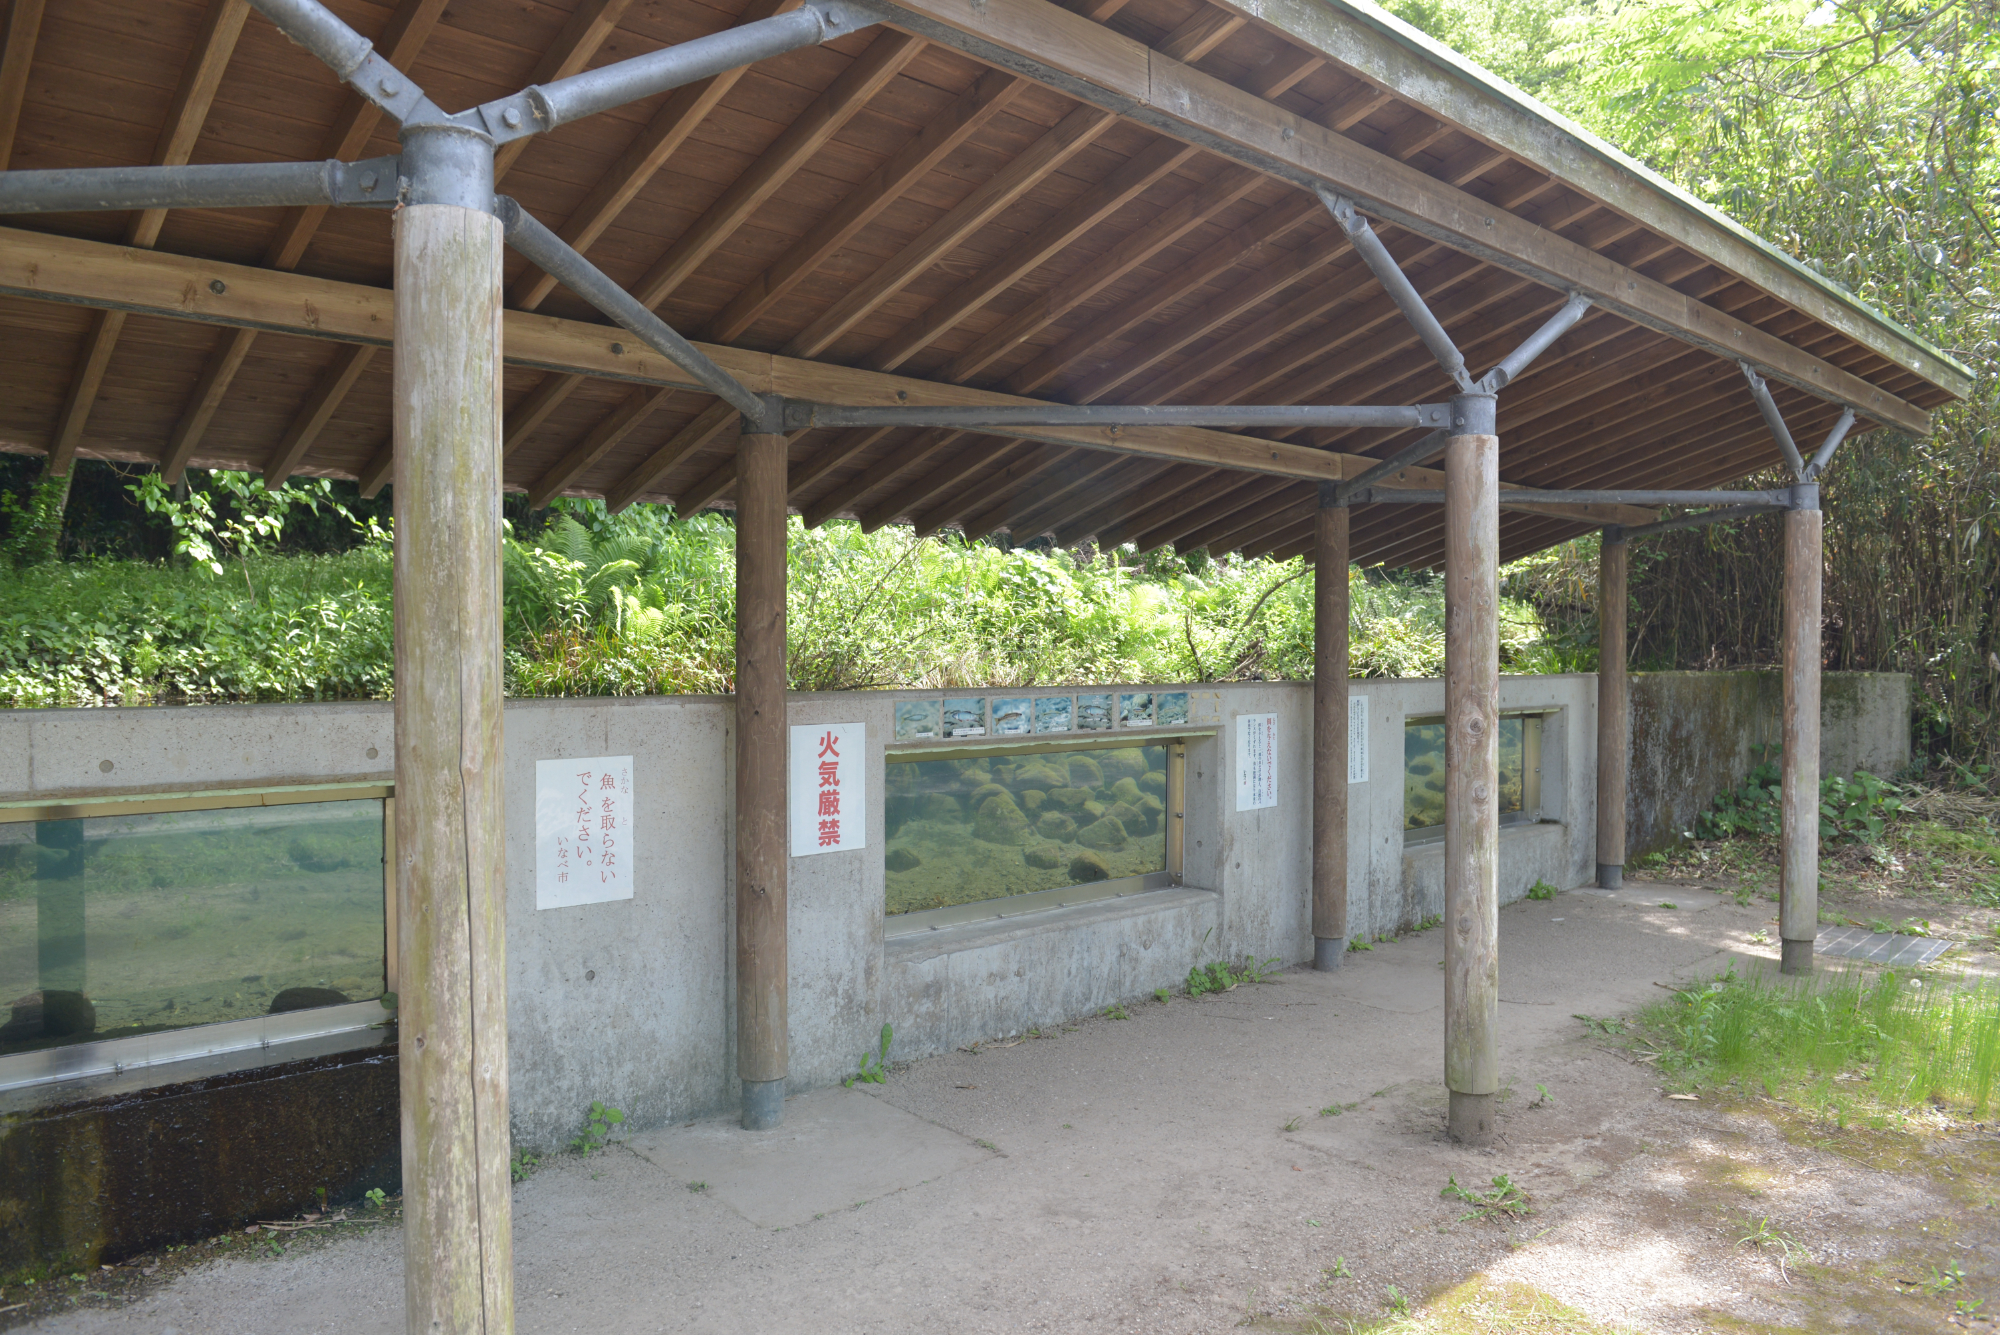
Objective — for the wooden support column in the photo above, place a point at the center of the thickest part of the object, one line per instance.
(1798, 880)
(1329, 846)
(1472, 782)
(762, 847)
(450, 849)
(1614, 708)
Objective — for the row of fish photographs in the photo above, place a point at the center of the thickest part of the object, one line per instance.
(970, 717)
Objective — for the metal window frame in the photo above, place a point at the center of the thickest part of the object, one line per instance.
(1532, 741)
(115, 1056)
(1000, 908)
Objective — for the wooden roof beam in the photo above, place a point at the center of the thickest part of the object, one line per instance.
(684, 109)
(24, 27)
(201, 75)
(1160, 483)
(311, 419)
(1132, 178)
(939, 480)
(711, 422)
(1023, 515)
(884, 471)
(586, 31)
(1026, 471)
(977, 105)
(1004, 469)
(1056, 47)
(400, 42)
(843, 446)
(1057, 145)
(611, 429)
(882, 60)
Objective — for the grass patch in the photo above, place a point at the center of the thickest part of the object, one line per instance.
(1478, 1306)
(1848, 1046)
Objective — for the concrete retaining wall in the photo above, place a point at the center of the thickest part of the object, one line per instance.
(631, 1002)
(1697, 733)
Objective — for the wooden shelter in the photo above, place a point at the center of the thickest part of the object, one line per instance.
(1006, 208)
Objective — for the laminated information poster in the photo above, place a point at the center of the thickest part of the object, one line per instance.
(1256, 761)
(583, 831)
(1357, 739)
(829, 788)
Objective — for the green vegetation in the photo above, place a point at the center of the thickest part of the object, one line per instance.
(1503, 1200)
(1854, 809)
(239, 607)
(597, 1124)
(1221, 976)
(874, 1065)
(1538, 891)
(1848, 1047)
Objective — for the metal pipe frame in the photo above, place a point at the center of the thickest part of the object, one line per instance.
(801, 415)
(225, 185)
(1824, 454)
(1743, 500)
(1774, 419)
(1397, 283)
(1704, 518)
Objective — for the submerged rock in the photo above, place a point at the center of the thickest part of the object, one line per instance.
(1085, 772)
(1032, 799)
(1094, 810)
(1155, 810)
(1047, 857)
(305, 998)
(1127, 762)
(1000, 822)
(940, 806)
(1129, 817)
(1069, 799)
(984, 791)
(1106, 834)
(1087, 867)
(1154, 781)
(1038, 774)
(902, 859)
(1126, 790)
(1054, 825)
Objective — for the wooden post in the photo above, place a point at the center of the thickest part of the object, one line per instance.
(450, 870)
(1329, 830)
(762, 846)
(1798, 880)
(1614, 708)
(1472, 784)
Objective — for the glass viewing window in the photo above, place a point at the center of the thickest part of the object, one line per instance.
(118, 925)
(1423, 771)
(1033, 828)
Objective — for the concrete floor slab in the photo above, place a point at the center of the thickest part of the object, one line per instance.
(837, 1149)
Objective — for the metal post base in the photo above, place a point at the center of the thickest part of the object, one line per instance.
(763, 1104)
(1329, 953)
(1470, 1121)
(1610, 875)
(1795, 957)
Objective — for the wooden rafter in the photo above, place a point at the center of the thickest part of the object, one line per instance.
(201, 75)
(845, 445)
(311, 419)
(915, 495)
(711, 422)
(1068, 137)
(1139, 173)
(24, 26)
(1023, 463)
(879, 474)
(588, 28)
(409, 27)
(968, 490)
(977, 105)
(615, 426)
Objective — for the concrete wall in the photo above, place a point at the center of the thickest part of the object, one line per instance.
(1697, 733)
(631, 1002)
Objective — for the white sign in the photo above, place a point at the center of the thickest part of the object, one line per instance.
(583, 831)
(1256, 761)
(1357, 739)
(829, 798)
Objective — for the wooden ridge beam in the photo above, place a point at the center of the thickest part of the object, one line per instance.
(977, 105)
(1136, 175)
(201, 75)
(1356, 38)
(95, 274)
(1057, 145)
(1103, 68)
(349, 362)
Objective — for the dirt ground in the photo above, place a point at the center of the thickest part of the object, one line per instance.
(1272, 1157)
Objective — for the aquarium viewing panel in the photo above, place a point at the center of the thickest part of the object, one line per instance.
(978, 829)
(120, 925)
(1423, 770)
(1026, 714)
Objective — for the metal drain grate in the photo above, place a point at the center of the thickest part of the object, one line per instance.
(1856, 943)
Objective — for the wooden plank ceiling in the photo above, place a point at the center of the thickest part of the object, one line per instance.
(879, 202)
